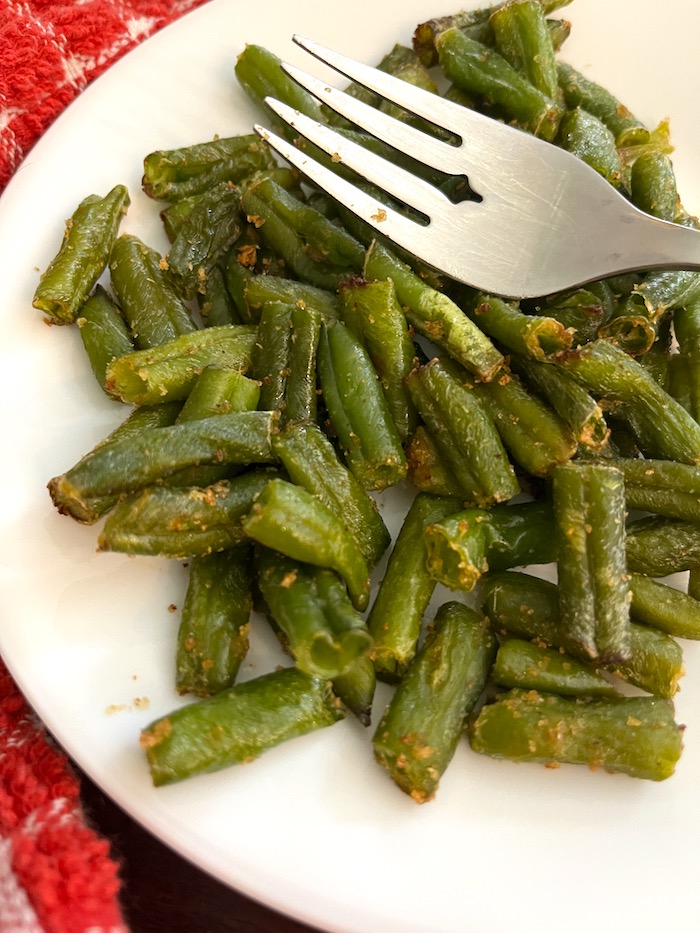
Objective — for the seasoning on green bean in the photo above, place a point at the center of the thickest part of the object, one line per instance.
(589, 510)
(572, 402)
(140, 460)
(662, 426)
(659, 546)
(325, 640)
(212, 638)
(482, 71)
(524, 664)
(294, 522)
(528, 607)
(174, 174)
(534, 336)
(664, 607)
(238, 724)
(637, 736)
(427, 469)
(185, 521)
(168, 371)
(523, 38)
(434, 315)
(82, 257)
(213, 225)
(462, 547)
(418, 733)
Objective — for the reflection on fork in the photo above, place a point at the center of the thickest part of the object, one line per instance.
(536, 219)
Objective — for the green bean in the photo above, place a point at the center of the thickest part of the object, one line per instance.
(658, 546)
(637, 736)
(259, 290)
(358, 409)
(523, 38)
(216, 304)
(212, 227)
(653, 187)
(434, 315)
(630, 326)
(583, 312)
(139, 460)
(314, 248)
(174, 174)
(532, 432)
(534, 336)
(664, 607)
(521, 663)
(182, 522)
(284, 361)
(168, 371)
(219, 392)
(686, 327)
(589, 509)
(237, 725)
(480, 70)
(103, 331)
(662, 487)
(528, 607)
(427, 469)
(212, 637)
(372, 312)
(580, 91)
(464, 433)
(67, 281)
(572, 402)
(356, 687)
(326, 636)
(294, 522)
(419, 731)
(662, 426)
(405, 590)
(90, 510)
(588, 138)
(311, 461)
(152, 306)
(462, 547)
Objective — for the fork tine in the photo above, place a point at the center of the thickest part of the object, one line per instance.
(394, 225)
(393, 179)
(414, 143)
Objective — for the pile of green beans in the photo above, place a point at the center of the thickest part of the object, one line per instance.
(285, 370)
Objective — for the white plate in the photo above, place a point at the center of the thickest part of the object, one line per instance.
(313, 828)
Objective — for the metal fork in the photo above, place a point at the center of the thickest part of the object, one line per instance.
(542, 222)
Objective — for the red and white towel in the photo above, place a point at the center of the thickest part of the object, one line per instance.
(57, 874)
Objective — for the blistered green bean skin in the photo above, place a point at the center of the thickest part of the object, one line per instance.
(212, 638)
(418, 733)
(90, 233)
(238, 724)
(664, 607)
